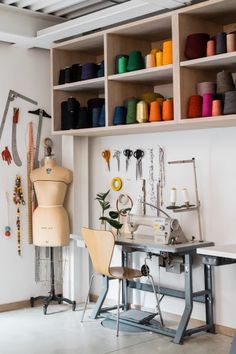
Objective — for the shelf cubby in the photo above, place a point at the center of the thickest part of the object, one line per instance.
(81, 96)
(137, 36)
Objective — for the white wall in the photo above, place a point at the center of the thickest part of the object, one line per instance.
(215, 151)
(27, 72)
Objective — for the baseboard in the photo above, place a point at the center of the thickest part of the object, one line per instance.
(15, 306)
(226, 331)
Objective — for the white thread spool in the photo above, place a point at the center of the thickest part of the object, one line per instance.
(173, 196)
(231, 42)
(185, 196)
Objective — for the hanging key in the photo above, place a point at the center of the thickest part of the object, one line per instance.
(117, 156)
(128, 153)
(138, 154)
(106, 154)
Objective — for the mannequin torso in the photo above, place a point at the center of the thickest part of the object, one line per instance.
(50, 219)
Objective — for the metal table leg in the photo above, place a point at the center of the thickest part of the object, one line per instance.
(209, 297)
(233, 346)
(188, 300)
(125, 300)
(101, 299)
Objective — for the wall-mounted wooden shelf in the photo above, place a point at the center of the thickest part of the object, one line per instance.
(213, 62)
(178, 80)
(92, 84)
(160, 74)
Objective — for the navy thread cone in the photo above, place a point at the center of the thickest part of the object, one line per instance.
(95, 116)
(101, 120)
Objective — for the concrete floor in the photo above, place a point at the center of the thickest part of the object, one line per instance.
(28, 331)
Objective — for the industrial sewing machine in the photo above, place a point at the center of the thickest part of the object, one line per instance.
(165, 229)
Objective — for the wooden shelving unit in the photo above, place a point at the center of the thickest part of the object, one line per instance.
(178, 80)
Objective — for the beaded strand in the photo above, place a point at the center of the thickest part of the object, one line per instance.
(18, 199)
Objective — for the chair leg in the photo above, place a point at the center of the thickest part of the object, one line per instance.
(157, 300)
(87, 298)
(118, 309)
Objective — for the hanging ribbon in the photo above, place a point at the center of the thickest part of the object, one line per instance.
(30, 190)
(7, 228)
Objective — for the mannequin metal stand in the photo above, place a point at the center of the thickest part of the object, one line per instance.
(52, 295)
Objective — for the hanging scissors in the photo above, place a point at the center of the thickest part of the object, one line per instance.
(138, 154)
(106, 154)
(128, 153)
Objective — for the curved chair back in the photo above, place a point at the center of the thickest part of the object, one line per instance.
(100, 246)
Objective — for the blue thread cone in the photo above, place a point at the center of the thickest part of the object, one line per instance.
(119, 115)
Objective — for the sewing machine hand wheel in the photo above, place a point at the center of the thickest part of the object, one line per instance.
(145, 270)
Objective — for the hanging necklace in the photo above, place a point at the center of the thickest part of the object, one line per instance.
(18, 199)
(162, 178)
(7, 228)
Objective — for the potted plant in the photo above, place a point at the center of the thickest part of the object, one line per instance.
(113, 218)
(105, 205)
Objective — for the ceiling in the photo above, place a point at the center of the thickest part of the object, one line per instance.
(67, 9)
(55, 20)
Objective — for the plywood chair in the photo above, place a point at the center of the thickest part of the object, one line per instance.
(100, 246)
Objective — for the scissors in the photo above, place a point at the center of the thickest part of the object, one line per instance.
(128, 153)
(106, 154)
(138, 154)
(117, 156)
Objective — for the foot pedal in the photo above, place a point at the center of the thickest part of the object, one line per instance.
(137, 316)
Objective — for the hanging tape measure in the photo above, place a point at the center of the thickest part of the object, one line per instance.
(116, 184)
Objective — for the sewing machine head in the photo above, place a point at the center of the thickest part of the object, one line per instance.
(165, 229)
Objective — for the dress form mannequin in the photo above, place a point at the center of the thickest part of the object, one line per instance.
(50, 219)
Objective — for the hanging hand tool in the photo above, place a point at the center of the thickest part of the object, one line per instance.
(41, 113)
(128, 153)
(138, 154)
(6, 155)
(117, 156)
(15, 154)
(11, 96)
(106, 154)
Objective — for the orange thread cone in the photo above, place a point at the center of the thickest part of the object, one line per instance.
(167, 110)
(155, 111)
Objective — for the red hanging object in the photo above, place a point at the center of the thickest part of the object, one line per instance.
(6, 155)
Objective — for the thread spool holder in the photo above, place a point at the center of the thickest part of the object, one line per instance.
(190, 207)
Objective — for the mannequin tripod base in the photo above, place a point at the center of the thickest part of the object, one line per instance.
(52, 295)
